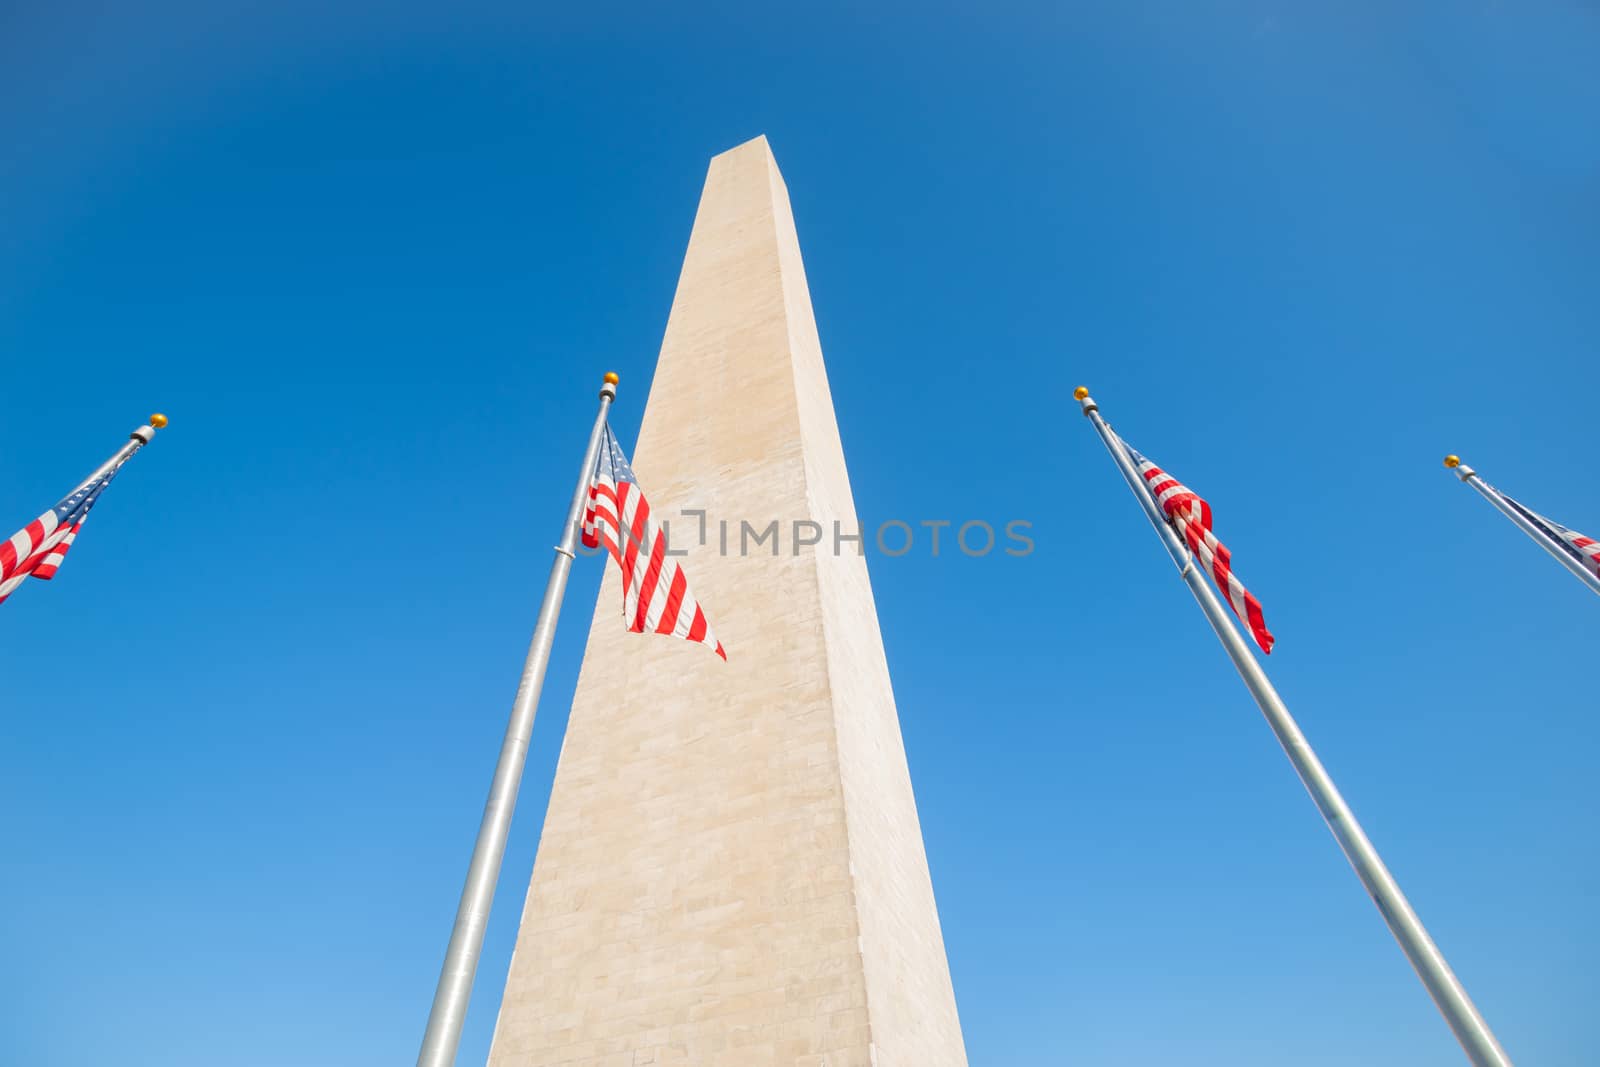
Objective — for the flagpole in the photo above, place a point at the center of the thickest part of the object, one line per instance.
(1470, 476)
(136, 440)
(454, 992)
(1476, 1038)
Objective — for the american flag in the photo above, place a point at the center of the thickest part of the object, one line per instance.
(39, 547)
(655, 592)
(1191, 517)
(1585, 550)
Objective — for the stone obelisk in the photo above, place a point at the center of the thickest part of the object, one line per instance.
(731, 870)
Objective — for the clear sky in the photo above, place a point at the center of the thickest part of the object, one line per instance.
(371, 264)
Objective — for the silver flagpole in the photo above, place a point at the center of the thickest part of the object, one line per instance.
(443, 1036)
(1442, 985)
(136, 440)
(1470, 476)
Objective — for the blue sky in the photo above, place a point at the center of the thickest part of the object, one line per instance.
(371, 263)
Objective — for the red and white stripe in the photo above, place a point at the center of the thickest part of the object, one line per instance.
(38, 549)
(1191, 517)
(1587, 547)
(52, 559)
(35, 550)
(655, 591)
(26, 542)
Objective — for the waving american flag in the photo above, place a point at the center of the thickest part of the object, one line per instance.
(655, 592)
(1191, 517)
(1585, 551)
(38, 548)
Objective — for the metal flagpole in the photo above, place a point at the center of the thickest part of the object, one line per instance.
(136, 440)
(1442, 985)
(450, 1000)
(1470, 476)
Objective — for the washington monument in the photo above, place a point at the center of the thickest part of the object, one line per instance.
(731, 871)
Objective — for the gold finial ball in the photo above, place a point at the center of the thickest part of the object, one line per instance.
(612, 377)
(1080, 392)
(1452, 462)
(158, 420)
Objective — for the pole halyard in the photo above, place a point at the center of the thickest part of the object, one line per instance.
(1469, 1027)
(450, 1000)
